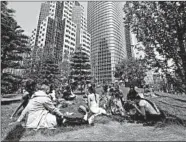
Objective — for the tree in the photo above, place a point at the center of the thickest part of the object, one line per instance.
(80, 67)
(49, 72)
(13, 47)
(132, 70)
(161, 28)
(64, 67)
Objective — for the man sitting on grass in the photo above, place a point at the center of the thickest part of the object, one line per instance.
(41, 111)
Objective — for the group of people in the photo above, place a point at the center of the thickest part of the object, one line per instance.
(39, 109)
(133, 106)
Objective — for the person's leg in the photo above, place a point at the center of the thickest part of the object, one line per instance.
(91, 118)
(102, 111)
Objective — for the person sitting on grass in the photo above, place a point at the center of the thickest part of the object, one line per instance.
(30, 88)
(68, 94)
(147, 111)
(41, 111)
(93, 105)
(117, 102)
(104, 89)
(132, 94)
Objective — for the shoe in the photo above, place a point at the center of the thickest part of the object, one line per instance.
(64, 121)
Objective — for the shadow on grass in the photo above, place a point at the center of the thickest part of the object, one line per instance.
(15, 134)
(67, 128)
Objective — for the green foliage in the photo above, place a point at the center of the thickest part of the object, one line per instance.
(46, 71)
(64, 70)
(80, 66)
(13, 47)
(161, 28)
(49, 72)
(133, 70)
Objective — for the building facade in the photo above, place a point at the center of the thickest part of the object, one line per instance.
(82, 35)
(56, 33)
(108, 46)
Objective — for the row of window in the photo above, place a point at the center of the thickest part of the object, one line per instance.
(67, 41)
(87, 42)
(70, 37)
(71, 28)
(71, 23)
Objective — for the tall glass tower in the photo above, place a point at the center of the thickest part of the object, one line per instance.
(108, 46)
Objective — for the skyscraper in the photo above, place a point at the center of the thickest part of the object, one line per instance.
(56, 33)
(82, 36)
(108, 46)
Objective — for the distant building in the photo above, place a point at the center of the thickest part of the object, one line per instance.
(32, 38)
(55, 29)
(108, 43)
(82, 36)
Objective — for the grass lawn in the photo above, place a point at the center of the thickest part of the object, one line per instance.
(105, 126)
(16, 132)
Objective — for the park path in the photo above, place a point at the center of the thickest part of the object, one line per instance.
(115, 131)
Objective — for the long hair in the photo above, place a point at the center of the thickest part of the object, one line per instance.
(91, 89)
(30, 86)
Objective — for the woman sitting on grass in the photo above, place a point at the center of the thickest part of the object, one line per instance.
(93, 105)
(147, 111)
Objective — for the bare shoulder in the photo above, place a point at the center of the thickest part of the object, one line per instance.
(142, 102)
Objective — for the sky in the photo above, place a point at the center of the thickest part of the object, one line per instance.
(27, 14)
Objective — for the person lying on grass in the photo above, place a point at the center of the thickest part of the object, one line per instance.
(147, 111)
(93, 105)
(30, 88)
(40, 111)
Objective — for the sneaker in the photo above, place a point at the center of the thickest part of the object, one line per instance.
(64, 121)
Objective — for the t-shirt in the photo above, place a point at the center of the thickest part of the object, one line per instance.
(93, 102)
(148, 107)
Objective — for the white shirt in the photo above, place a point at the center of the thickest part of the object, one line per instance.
(38, 109)
(93, 102)
(148, 107)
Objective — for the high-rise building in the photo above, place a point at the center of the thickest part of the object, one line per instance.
(32, 38)
(108, 46)
(82, 36)
(56, 32)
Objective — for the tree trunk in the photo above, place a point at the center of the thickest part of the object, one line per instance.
(182, 54)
